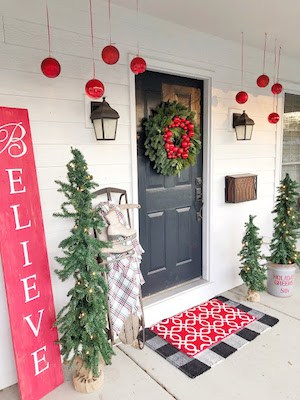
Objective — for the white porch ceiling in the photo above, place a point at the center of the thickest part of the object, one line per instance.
(227, 18)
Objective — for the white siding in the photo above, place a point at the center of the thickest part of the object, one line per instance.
(59, 117)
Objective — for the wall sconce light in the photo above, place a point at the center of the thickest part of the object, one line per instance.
(104, 119)
(243, 126)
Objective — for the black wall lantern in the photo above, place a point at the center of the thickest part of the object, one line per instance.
(243, 126)
(105, 120)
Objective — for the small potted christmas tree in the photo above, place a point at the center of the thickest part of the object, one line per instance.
(284, 255)
(251, 271)
(82, 323)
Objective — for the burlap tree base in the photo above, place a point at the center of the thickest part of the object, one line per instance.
(84, 381)
(253, 296)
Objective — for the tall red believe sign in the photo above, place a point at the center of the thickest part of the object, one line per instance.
(25, 261)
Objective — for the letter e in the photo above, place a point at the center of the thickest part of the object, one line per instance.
(37, 360)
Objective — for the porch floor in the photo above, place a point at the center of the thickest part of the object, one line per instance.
(267, 368)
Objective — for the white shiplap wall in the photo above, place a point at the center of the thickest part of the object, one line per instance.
(59, 117)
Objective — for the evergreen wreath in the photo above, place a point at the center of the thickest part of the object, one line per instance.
(172, 138)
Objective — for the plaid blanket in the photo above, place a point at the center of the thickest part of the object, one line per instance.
(124, 276)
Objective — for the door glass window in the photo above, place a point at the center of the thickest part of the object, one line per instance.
(291, 137)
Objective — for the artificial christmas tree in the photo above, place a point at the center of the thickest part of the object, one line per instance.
(284, 255)
(252, 273)
(83, 321)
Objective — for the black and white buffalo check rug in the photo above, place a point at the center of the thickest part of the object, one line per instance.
(203, 336)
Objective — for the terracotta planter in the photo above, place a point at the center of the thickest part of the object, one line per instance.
(281, 279)
(84, 381)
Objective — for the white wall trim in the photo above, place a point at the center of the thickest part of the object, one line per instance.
(201, 74)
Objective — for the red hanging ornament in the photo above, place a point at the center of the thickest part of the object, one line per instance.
(276, 88)
(241, 97)
(110, 55)
(94, 88)
(263, 81)
(50, 67)
(138, 65)
(273, 118)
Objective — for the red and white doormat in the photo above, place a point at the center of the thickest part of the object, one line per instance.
(203, 326)
(203, 336)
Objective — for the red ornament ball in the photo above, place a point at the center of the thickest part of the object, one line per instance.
(138, 65)
(273, 118)
(263, 80)
(241, 97)
(94, 88)
(276, 88)
(110, 55)
(50, 67)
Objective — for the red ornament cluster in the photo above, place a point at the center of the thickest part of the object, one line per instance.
(182, 149)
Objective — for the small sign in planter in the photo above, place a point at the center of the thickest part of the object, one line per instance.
(281, 279)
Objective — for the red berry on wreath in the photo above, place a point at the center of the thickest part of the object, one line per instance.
(167, 146)
(169, 133)
(184, 137)
(182, 125)
(191, 134)
(175, 149)
(171, 146)
(184, 144)
(185, 128)
(190, 126)
(180, 150)
(184, 155)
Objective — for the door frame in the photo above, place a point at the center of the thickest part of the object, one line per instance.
(206, 75)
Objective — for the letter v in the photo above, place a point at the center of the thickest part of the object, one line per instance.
(34, 329)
